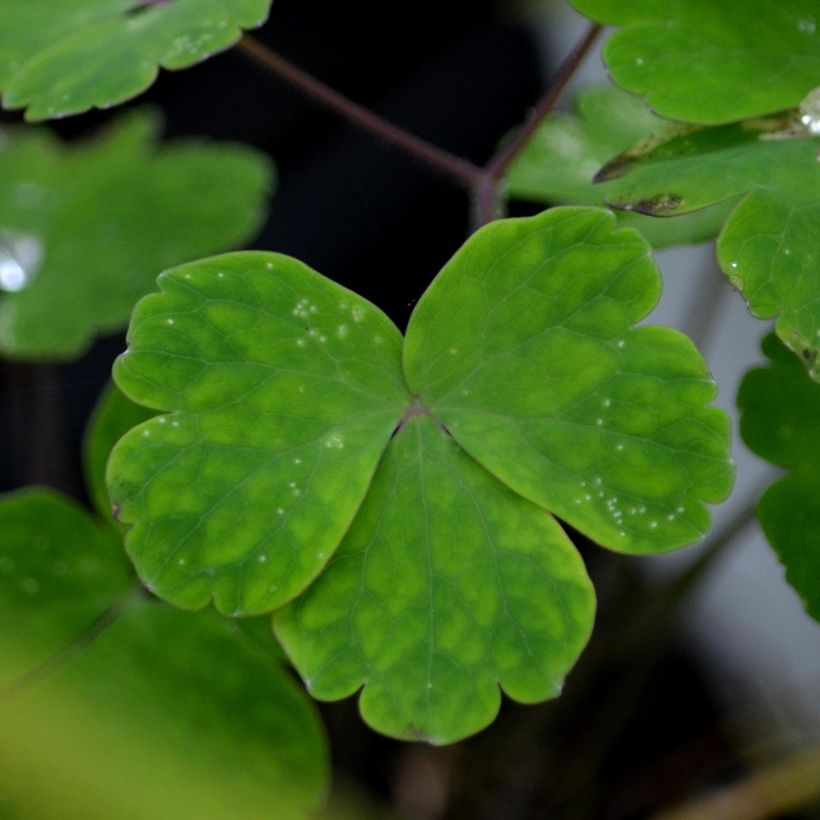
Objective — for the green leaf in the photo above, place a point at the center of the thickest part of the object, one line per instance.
(113, 417)
(768, 247)
(447, 585)
(712, 62)
(284, 389)
(59, 58)
(780, 421)
(525, 347)
(526, 378)
(567, 150)
(127, 682)
(56, 560)
(84, 229)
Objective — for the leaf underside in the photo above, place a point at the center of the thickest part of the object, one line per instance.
(712, 62)
(303, 439)
(768, 247)
(59, 58)
(780, 421)
(122, 683)
(565, 153)
(85, 228)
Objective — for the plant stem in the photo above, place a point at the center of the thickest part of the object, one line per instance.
(482, 183)
(458, 169)
(486, 194)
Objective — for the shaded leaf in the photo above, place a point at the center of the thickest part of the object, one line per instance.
(131, 692)
(59, 58)
(84, 229)
(768, 246)
(708, 62)
(558, 164)
(447, 585)
(113, 417)
(525, 347)
(285, 389)
(780, 421)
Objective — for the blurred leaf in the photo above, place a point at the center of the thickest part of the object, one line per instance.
(768, 247)
(58, 562)
(113, 417)
(780, 421)
(712, 62)
(447, 586)
(168, 711)
(567, 150)
(285, 389)
(59, 58)
(83, 229)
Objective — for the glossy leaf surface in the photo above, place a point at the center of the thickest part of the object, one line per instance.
(712, 62)
(59, 58)
(137, 680)
(768, 246)
(84, 229)
(526, 378)
(525, 347)
(558, 164)
(780, 421)
(447, 585)
(284, 389)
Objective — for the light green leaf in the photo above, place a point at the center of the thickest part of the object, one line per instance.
(712, 62)
(284, 389)
(59, 58)
(780, 421)
(525, 347)
(113, 417)
(59, 563)
(84, 229)
(522, 354)
(768, 247)
(129, 682)
(558, 164)
(447, 585)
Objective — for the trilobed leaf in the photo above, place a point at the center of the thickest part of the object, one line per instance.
(712, 62)
(103, 690)
(780, 421)
(84, 228)
(768, 247)
(59, 58)
(523, 389)
(559, 162)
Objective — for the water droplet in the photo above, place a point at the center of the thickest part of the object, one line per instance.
(639, 61)
(175, 424)
(269, 265)
(280, 510)
(221, 275)
(182, 562)
(146, 433)
(169, 321)
(297, 461)
(341, 331)
(733, 265)
(599, 422)
(453, 351)
(21, 256)
(335, 441)
(653, 524)
(621, 343)
(262, 559)
(807, 25)
(607, 402)
(619, 447)
(300, 343)
(681, 509)
(357, 313)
